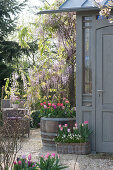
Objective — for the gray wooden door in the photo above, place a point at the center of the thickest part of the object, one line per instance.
(104, 89)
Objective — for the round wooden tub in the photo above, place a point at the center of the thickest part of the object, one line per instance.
(49, 129)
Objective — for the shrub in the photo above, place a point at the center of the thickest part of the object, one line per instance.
(10, 143)
(35, 122)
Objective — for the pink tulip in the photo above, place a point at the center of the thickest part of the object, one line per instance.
(19, 162)
(41, 104)
(66, 101)
(75, 124)
(14, 162)
(86, 122)
(53, 104)
(46, 156)
(45, 107)
(49, 104)
(42, 156)
(44, 103)
(64, 98)
(65, 125)
(60, 126)
(63, 107)
(53, 154)
(29, 156)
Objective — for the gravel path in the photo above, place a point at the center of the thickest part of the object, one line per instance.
(33, 145)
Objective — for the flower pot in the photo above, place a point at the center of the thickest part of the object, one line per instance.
(73, 148)
(15, 106)
(49, 129)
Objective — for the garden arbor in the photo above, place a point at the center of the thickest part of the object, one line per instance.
(94, 71)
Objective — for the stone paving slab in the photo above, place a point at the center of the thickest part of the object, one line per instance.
(33, 145)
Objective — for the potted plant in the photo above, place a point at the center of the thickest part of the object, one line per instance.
(15, 104)
(76, 142)
(15, 100)
(53, 114)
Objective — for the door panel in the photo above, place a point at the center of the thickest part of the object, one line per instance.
(107, 68)
(107, 126)
(104, 89)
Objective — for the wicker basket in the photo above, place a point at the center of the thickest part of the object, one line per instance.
(73, 148)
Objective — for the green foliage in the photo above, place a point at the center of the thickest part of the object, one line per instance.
(79, 135)
(5, 72)
(24, 164)
(8, 11)
(85, 131)
(35, 115)
(50, 162)
(16, 102)
(57, 109)
(8, 49)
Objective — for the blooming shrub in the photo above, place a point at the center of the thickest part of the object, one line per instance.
(79, 135)
(57, 110)
(47, 162)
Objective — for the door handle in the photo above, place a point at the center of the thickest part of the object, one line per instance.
(100, 91)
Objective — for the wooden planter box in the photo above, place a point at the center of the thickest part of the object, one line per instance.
(73, 148)
(49, 129)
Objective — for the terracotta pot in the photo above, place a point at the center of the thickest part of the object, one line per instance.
(49, 129)
(73, 148)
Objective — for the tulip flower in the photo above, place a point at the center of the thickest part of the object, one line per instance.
(86, 122)
(29, 156)
(19, 162)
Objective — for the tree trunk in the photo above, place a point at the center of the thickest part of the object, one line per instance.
(71, 85)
